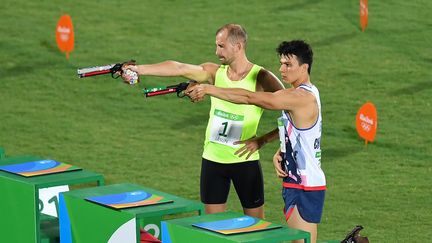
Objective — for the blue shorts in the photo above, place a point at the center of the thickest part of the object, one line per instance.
(309, 203)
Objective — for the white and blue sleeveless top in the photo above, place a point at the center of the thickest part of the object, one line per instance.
(301, 150)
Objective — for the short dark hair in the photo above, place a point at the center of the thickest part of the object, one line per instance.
(300, 48)
(236, 33)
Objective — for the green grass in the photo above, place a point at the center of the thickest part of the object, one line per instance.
(105, 126)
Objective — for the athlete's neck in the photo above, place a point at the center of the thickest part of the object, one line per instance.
(304, 80)
(238, 69)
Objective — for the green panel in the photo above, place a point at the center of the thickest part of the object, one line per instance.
(2, 153)
(144, 215)
(155, 221)
(178, 234)
(17, 210)
(178, 206)
(91, 222)
(181, 230)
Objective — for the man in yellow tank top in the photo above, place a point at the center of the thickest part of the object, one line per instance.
(231, 146)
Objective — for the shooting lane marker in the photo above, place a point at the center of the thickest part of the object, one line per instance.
(367, 122)
(65, 35)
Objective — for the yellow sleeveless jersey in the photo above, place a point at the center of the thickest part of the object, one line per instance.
(229, 122)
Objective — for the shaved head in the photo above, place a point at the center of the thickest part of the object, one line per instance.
(236, 33)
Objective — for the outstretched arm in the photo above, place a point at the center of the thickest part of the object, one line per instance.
(201, 73)
(287, 99)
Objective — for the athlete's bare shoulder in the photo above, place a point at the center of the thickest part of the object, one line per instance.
(211, 69)
(268, 82)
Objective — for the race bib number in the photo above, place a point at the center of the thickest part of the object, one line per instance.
(226, 128)
(48, 199)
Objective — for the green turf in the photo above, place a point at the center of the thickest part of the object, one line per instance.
(106, 126)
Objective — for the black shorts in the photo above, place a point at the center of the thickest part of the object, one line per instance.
(246, 176)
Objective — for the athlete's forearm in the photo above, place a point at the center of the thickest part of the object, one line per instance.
(266, 100)
(269, 137)
(167, 68)
(173, 69)
(234, 95)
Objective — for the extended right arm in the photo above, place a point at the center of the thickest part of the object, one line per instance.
(201, 73)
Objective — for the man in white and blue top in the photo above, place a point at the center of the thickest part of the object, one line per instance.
(298, 160)
(301, 150)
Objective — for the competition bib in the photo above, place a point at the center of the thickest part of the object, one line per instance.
(226, 128)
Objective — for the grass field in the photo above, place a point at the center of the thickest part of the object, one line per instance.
(105, 126)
